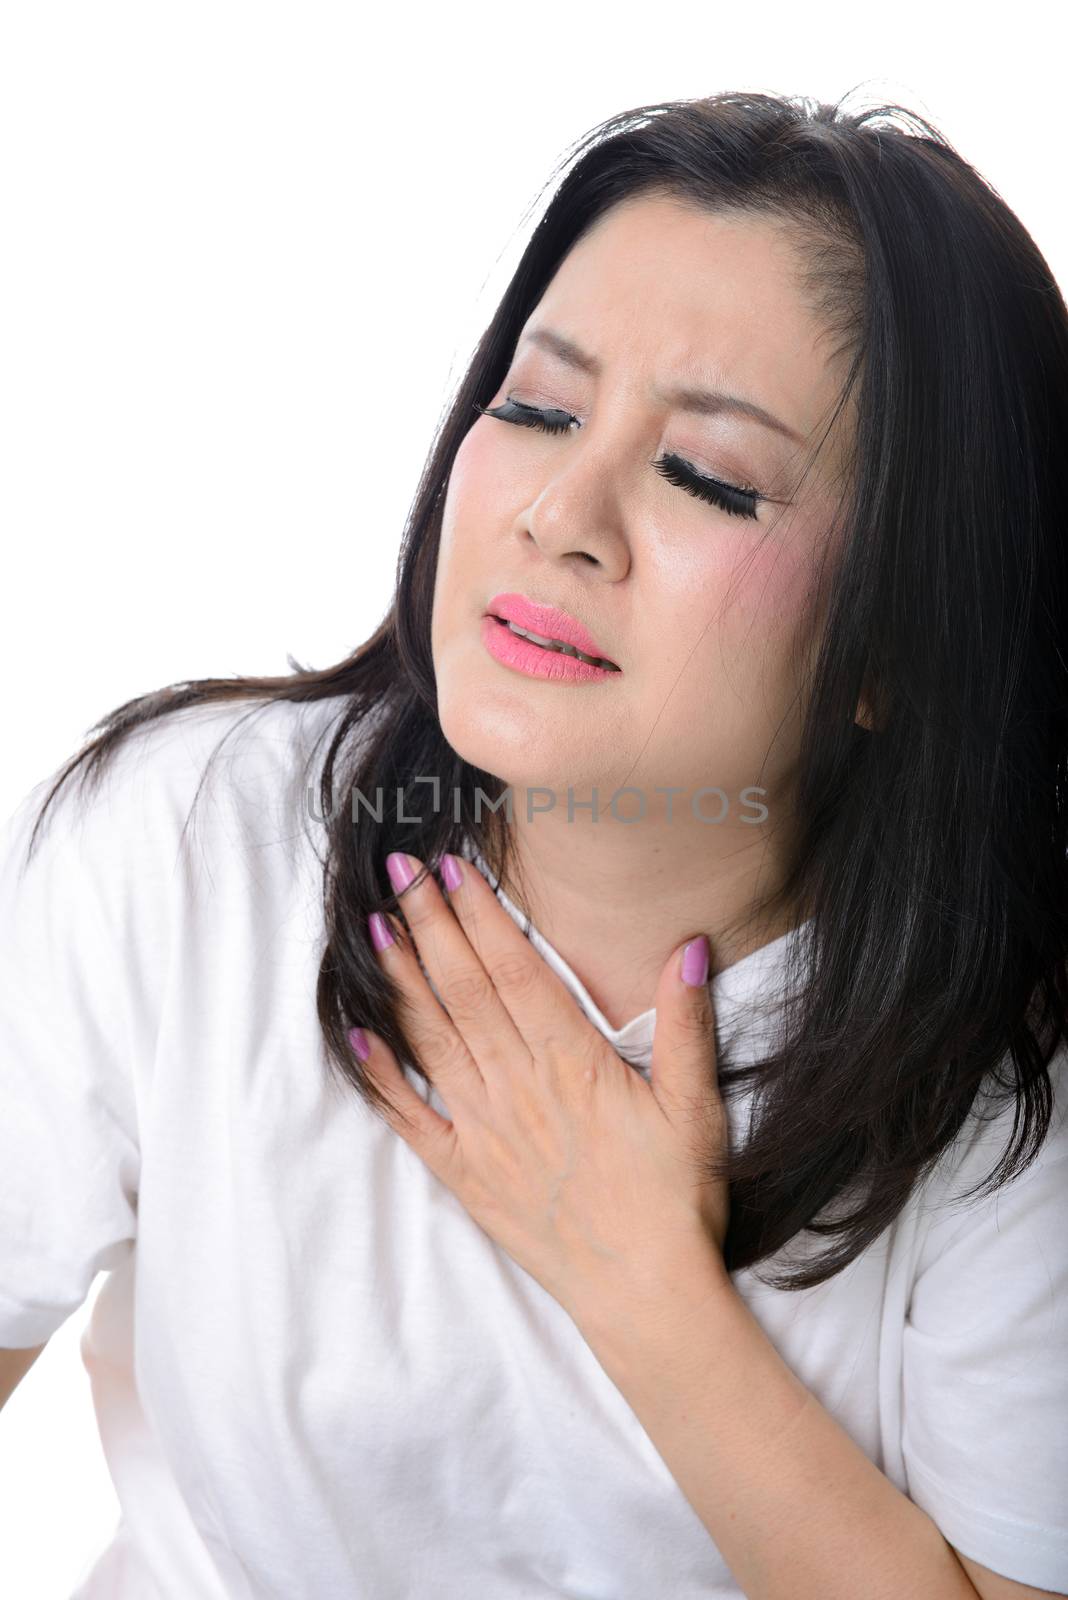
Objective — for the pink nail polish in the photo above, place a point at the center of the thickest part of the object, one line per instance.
(451, 876)
(400, 872)
(359, 1043)
(381, 932)
(695, 961)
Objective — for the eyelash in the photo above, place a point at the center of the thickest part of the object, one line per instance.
(732, 498)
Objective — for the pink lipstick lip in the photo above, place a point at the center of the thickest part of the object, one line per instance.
(522, 655)
(549, 621)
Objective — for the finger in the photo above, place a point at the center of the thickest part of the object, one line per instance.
(431, 1136)
(683, 1070)
(457, 976)
(433, 1038)
(544, 1012)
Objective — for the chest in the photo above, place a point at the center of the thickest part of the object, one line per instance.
(324, 1333)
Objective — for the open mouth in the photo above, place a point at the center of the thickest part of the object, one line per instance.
(557, 645)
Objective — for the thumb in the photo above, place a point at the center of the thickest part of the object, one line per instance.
(683, 1071)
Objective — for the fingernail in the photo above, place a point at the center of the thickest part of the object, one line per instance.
(695, 961)
(451, 876)
(381, 932)
(399, 869)
(359, 1043)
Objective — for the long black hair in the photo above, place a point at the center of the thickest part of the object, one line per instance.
(930, 847)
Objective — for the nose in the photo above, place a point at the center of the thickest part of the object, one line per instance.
(576, 521)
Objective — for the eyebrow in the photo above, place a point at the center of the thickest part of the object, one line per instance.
(684, 397)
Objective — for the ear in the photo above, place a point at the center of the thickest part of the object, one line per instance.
(867, 712)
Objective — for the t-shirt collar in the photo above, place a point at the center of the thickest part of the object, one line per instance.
(739, 992)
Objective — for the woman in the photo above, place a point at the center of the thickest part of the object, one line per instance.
(654, 1276)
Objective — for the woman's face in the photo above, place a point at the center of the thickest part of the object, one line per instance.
(706, 611)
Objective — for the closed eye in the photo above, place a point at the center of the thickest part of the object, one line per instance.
(737, 500)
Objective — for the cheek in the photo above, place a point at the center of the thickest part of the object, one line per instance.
(458, 524)
(761, 590)
(746, 612)
(470, 522)
(770, 588)
(477, 478)
(471, 514)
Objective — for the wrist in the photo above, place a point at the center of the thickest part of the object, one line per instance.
(646, 1314)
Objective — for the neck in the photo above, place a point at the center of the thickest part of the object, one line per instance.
(615, 899)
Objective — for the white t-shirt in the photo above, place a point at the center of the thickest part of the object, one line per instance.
(316, 1377)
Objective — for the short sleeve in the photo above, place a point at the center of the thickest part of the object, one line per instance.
(68, 1133)
(985, 1363)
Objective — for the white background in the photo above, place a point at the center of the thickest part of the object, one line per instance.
(247, 250)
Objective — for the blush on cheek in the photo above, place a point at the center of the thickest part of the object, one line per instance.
(477, 469)
(466, 489)
(771, 582)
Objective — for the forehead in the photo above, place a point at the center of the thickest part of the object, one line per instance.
(661, 292)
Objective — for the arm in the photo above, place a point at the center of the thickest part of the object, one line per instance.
(795, 1507)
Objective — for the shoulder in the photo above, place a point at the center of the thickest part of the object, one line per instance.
(238, 773)
(957, 1205)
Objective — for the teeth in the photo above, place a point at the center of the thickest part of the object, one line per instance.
(555, 644)
(549, 644)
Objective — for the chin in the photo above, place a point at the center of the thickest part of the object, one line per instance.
(488, 732)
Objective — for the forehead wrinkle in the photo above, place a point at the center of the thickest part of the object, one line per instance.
(689, 397)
